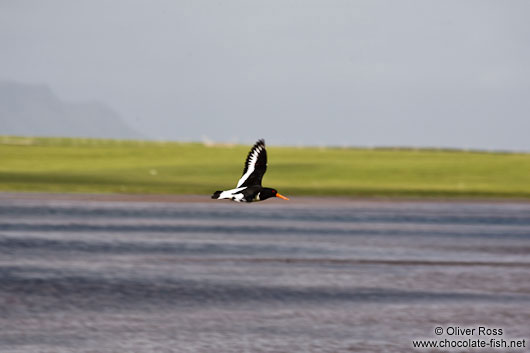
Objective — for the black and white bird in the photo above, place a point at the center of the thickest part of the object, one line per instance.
(249, 187)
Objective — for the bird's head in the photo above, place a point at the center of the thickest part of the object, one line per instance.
(268, 192)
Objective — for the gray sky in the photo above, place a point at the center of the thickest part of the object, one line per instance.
(360, 73)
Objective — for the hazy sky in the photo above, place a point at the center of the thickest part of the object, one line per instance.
(362, 73)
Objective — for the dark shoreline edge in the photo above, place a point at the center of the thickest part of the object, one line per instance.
(181, 198)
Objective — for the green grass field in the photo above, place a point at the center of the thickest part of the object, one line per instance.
(113, 166)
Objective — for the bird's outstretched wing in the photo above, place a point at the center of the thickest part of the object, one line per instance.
(255, 165)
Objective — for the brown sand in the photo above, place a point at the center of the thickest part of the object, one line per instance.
(172, 198)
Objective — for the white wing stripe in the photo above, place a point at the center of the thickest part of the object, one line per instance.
(251, 166)
(228, 194)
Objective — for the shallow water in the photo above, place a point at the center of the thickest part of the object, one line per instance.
(348, 276)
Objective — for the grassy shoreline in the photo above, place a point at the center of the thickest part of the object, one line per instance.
(73, 165)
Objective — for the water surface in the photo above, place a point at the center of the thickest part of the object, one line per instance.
(344, 276)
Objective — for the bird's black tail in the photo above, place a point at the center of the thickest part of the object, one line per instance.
(216, 194)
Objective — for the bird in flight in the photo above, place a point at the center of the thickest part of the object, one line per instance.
(249, 187)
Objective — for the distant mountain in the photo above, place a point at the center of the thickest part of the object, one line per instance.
(34, 110)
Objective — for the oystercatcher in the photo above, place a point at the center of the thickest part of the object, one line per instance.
(249, 187)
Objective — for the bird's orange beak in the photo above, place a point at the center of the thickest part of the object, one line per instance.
(281, 196)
